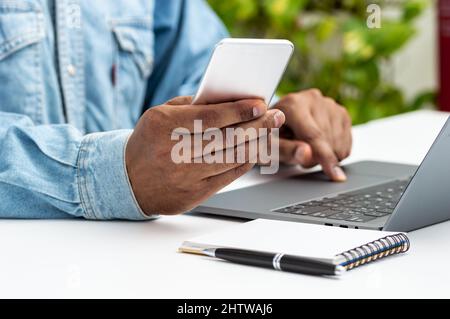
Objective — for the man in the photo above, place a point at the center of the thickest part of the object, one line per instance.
(77, 76)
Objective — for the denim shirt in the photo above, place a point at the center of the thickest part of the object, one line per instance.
(75, 77)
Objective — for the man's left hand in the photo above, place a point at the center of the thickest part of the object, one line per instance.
(317, 131)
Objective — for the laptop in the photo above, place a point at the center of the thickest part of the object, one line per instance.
(377, 195)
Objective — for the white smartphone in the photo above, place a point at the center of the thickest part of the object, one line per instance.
(243, 69)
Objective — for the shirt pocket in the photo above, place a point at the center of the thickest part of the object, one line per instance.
(21, 30)
(133, 63)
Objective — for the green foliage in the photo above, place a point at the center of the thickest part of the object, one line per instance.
(336, 51)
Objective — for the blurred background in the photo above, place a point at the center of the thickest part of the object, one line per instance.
(375, 67)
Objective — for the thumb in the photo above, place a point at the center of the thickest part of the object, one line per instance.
(296, 152)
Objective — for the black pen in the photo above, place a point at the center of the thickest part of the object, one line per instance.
(281, 262)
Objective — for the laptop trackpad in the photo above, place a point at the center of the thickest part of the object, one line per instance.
(307, 187)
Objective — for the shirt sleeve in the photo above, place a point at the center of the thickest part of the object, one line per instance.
(53, 171)
(186, 33)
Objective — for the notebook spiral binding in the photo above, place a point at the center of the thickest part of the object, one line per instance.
(375, 250)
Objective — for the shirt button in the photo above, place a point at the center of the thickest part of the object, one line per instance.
(71, 70)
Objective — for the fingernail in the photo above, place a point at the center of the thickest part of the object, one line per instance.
(339, 174)
(279, 119)
(299, 153)
(256, 112)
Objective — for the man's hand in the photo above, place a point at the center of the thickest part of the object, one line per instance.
(164, 187)
(317, 131)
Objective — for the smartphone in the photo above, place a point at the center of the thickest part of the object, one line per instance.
(244, 69)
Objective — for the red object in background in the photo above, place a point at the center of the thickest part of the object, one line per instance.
(444, 45)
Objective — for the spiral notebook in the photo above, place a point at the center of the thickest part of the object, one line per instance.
(350, 248)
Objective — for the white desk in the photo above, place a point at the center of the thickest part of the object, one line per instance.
(123, 259)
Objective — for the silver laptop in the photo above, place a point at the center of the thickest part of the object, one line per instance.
(377, 195)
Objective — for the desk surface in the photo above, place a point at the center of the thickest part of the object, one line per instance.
(84, 259)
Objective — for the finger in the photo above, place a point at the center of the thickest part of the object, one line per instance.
(230, 137)
(349, 142)
(324, 154)
(341, 132)
(308, 131)
(215, 183)
(217, 115)
(229, 159)
(339, 140)
(294, 152)
(181, 100)
(323, 117)
(347, 124)
(211, 185)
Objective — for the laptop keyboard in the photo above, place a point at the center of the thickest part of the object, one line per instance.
(359, 206)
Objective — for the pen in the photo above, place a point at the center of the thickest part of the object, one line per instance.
(280, 262)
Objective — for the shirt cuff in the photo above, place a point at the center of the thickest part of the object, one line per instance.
(103, 183)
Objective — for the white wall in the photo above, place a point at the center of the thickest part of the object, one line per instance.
(416, 67)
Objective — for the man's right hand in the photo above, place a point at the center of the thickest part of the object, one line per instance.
(164, 187)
